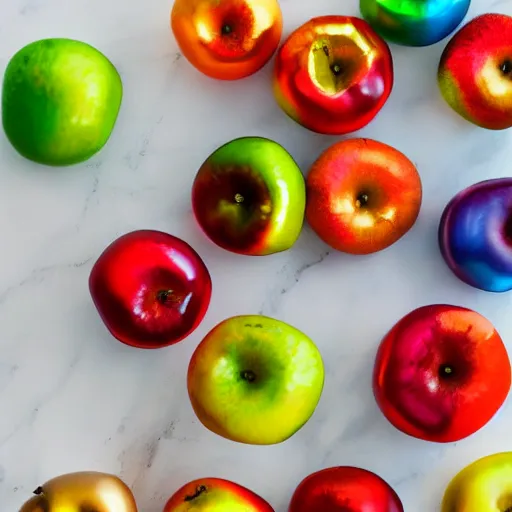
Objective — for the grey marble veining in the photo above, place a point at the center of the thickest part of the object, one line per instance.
(72, 398)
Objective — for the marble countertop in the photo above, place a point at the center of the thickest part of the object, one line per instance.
(72, 398)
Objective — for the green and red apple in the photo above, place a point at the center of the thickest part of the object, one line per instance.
(249, 197)
(60, 101)
(255, 380)
(483, 486)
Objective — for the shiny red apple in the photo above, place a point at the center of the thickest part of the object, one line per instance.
(345, 489)
(150, 288)
(441, 373)
(333, 74)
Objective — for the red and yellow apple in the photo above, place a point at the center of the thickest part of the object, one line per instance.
(249, 197)
(215, 494)
(345, 489)
(82, 492)
(441, 373)
(362, 196)
(333, 74)
(151, 289)
(483, 486)
(475, 71)
(255, 380)
(227, 39)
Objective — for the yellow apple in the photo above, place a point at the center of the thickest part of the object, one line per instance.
(483, 486)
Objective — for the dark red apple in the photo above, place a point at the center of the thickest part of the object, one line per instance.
(345, 489)
(150, 288)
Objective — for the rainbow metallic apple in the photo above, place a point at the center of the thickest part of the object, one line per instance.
(362, 196)
(255, 380)
(441, 373)
(333, 74)
(82, 492)
(483, 486)
(475, 235)
(60, 101)
(215, 494)
(475, 72)
(249, 197)
(345, 489)
(227, 39)
(151, 289)
(414, 22)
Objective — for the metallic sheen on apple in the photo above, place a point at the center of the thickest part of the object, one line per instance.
(475, 235)
(414, 22)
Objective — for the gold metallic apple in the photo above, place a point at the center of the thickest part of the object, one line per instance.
(87, 491)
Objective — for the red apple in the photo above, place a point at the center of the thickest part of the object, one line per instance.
(362, 196)
(441, 373)
(333, 74)
(345, 489)
(150, 288)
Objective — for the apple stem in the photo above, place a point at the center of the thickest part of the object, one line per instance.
(38, 491)
(199, 490)
(226, 29)
(506, 67)
(165, 296)
(239, 198)
(362, 200)
(336, 69)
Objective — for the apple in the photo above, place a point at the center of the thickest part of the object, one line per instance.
(227, 39)
(333, 74)
(475, 72)
(151, 289)
(362, 196)
(475, 235)
(60, 101)
(80, 492)
(249, 197)
(344, 489)
(255, 380)
(212, 494)
(483, 486)
(441, 373)
(415, 22)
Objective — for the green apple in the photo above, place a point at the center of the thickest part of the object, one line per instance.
(249, 197)
(60, 101)
(255, 380)
(483, 486)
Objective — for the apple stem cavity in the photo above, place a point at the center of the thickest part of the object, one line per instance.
(506, 67)
(248, 375)
(200, 489)
(38, 491)
(362, 200)
(226, 29)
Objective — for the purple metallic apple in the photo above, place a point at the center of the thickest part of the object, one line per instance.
(475, 235)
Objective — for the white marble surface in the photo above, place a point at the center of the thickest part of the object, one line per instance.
(72, 398)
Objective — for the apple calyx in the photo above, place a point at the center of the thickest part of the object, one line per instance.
(200, 489)
(248, 375)
(166, 297)
(362, 200)
(38, 491)
(226, 29)
(506, 69)
(446, 371)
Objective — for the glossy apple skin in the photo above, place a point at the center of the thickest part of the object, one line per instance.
(255, 380)
(86, 490)
(475, 235)
(362, 196)
(441, 373)
(227, 39)
(416, 22)
(483, 486)
(60, 101)
(333, 74)
(215, 494)
(151, 289)
(475, 72)
(249, 197)
(344, 489)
